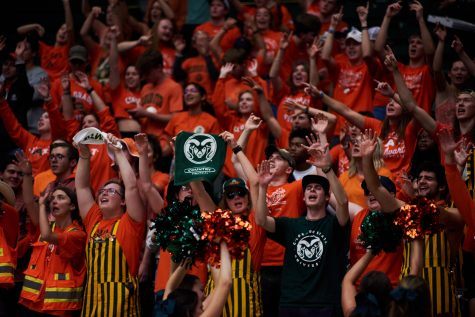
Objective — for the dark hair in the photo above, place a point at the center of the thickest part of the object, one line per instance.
(173, 190)
(439, 172)
(157, 150)
(148, 60)
(74, 200)
(305, 23)
(301, 133)
(5, 161)
(422, 156)
(205, 105)
(235, 55)
(185, 302)
(374, 285)
(71, 152)
(189, 281)
(305, 65)
(411, 298)
(117, 182)
(95, 115)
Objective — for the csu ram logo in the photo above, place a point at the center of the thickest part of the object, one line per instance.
(200, 148)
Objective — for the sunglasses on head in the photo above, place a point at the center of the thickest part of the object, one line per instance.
(234, 193)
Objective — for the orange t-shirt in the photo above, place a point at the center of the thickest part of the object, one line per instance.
(194, 123)
(36, 149)
(81, 99)
(228, 39)
(124, 99)
(54, 59)
(352, 186)
(389, 263)
(420, 82)
(160, 180)
(197, 72)
(130, 234)
(397, 154)
(272, 41)
(282, 201)
(339, 156)
(164, 98)
(286, 18)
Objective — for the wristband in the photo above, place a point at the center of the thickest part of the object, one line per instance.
(364, 28)
(90, 90)
(84, 157)
(326, 169)
(237, 149)
(67, 92)
(331, 30)
(321, 94)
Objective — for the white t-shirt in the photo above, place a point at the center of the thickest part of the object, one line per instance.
(300, 174)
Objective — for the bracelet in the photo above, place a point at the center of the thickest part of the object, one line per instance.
(326, 169)
(364, 27)
(321, 94)
(84, 157)
(67, 92)
(237, 149)
(89, 90)
(331, 30)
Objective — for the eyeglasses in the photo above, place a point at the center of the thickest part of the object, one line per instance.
(57, 157)
(110, 191)
(191, 90)
(240, 193)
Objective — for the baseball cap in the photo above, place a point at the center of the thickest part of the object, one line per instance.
(385, 181)
(129, 145)
(78, 52)
(316, 179)
(271, 149)
(354, 34)
(234, 183)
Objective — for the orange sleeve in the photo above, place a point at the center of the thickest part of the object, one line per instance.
(220, 107)
(72, 127)
(176, 98)
(108, 123)
(71, 243)
(19, 135)
(460, 195)
(131, 237)
(257, 243)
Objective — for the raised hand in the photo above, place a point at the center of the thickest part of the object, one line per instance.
(44, 197)
(229, 24)
(462, 152)
(319, 153)
(141, 141)
(417, 7)
(113, 143)
(390, 60)
(83, 150)
(336, 18)
(440, 31)
(145, 40)
(83, 80)
(252, 68)
(252, 123)
(446, 140)
(285, 40)
(20, 50)
(252, 84)
(23, 163)
(319, 123)
(179, 44)
(393, 9)
(457, 45)
(362, 12)
(228, 137)
(263, 173)
(311, 90)
(384, 88)
(96, 12)
(43, 89)
(314, 49)
(226, 69)
(368, 143)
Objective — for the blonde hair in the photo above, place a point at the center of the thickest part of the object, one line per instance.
(378, 161)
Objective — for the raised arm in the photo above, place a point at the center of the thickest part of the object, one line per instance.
(367, 147)
(176, 278)
(68, 18)
(437, 63)
(348, 287)
(86, 27)
(427, 42)
(152, 194)
(321, 158)
(262, 212)
(223, 285)
(468, 62)
(114, 73)
(27, 186)
(316, 113)
(366, 46)
(82, 180)
(408, 102)
(45, 230)
(214, 44)
(313, 52)
(392, 10)
(337, 106)
(328, 46)
(202, 197)
(27, 28)
(274, 72)
(135, 208)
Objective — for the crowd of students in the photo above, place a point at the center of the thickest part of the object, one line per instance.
(324, 127)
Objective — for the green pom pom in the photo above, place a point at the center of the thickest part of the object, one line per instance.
(378, 232)
(179, 231)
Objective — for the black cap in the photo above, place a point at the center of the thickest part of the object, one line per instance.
(271, 149)
(316, 179)
(385, 181)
